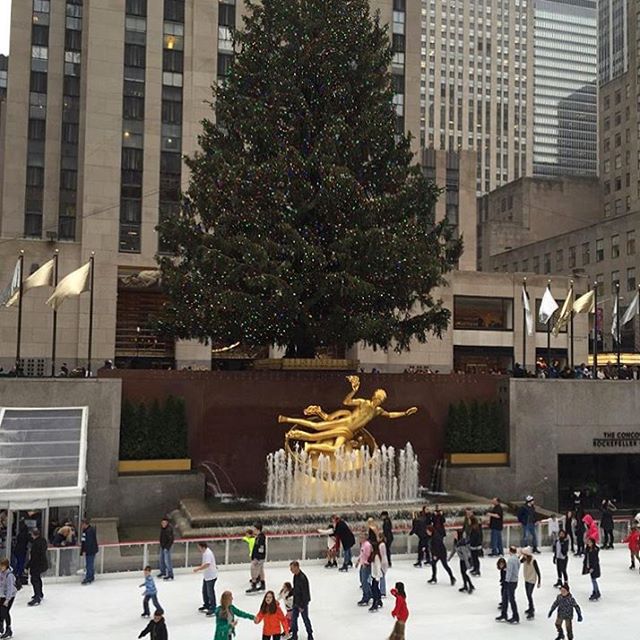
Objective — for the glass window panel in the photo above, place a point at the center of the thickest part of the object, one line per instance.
(477, 313)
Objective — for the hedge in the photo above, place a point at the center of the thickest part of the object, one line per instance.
(477, 427)
(158, 432)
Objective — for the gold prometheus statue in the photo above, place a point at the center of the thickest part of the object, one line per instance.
(325, 433)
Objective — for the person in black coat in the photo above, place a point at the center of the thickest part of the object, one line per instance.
(606, 522)
(301, 600)
(157, 628)
(347, 540)
(89, 549)
(258, 557)
(166, 542)
(579, 536)
(591, 566)
(37, 565)
(387, 532)
(438, 552)
(20, 549)
(419, 529)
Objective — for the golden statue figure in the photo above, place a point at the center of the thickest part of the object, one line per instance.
(327, 432)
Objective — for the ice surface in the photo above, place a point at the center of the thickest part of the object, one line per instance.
(111, 607)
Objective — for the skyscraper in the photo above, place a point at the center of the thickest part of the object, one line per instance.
(565, 126)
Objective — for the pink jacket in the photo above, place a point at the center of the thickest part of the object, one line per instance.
(592, 528)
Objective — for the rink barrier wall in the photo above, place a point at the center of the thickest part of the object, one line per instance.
(232, 550)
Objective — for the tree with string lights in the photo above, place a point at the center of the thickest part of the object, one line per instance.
(305, 223)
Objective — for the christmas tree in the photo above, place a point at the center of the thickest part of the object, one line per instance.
(305, 223)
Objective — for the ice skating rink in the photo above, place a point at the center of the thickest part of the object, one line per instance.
(111, 607)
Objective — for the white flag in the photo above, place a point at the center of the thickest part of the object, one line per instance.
(565, 314)
(614, 320)
(42, 277)
(72, 285)
(528, 318)
(632, 310)
(586, 303)
(13, 287)
(548, 307)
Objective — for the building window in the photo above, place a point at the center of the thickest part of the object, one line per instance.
(478, 313)
(607, 209)
(586, 258)
(536, 264)
(559, 260)
(547, 263)
(600, 284)
(599, 250)
(631, 242)
(615, 246)
(572, 257)
(615, 280)
(618, 207)
(631, 279)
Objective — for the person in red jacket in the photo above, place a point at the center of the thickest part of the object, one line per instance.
(592, 530)
(275, 622)
(633, 542)
(400, 612)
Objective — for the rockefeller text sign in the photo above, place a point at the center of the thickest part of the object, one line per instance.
(618, 439)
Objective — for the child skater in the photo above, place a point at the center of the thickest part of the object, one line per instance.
(275, 623)
(150, 593)
(633, 542)
(157, 628)
(565, 604)
(286, 595)
(461, 549)
(501, 565)
(400, 612)
(333, 546)
(226, 615)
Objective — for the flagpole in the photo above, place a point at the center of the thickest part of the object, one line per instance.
(19, 336)
(92, 268)
(618, 324)
(524, 329)
(594, 372)
(571, 322)
(549, 333)
(55, 316)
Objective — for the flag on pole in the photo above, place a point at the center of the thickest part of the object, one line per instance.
(72, 285)
(13, 288)
(528, 318)
(42, 277)
(548, 307)
(565, 313)
(632, 310)
(614, 319)
(585, 303)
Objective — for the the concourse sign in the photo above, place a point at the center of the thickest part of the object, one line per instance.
(618, 439)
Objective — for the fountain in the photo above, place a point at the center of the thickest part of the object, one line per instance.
(331, 459)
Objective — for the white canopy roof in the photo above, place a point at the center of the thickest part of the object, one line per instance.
(43, 453)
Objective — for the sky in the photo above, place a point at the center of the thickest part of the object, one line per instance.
(5, 21)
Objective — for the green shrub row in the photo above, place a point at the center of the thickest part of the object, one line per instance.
(476, 427)
(158, 432)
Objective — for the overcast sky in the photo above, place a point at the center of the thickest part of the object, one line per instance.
(5, 20)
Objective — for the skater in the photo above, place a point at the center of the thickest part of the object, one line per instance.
(387, 530)
(364, 567)
(579, 532)
(591, 529)
(501, 566)
(400, 612)
(511, 581)
(419, 529)
(8, 591)
(569, 524)
(532, 577)
(633, 542)
(561, 558)
(275, 623)
(438, 520)
(150, 593)
(157, 627)
(37, 565)
(226, 615)
(438, 553)
(64, 537)
(347, 541)
(333, 546)
(286, 595)
(591, 566)
(496, 523)
(553, 527)
(250, 539)
(301, 600)
(375, 561)
(475, 545)
(606, 522)
(20, 549)
(166, 542)
(565, 604)
(461, 549)
(89, 549)
(527, 517)
(384, 564)
(258, 555)
(209, 576)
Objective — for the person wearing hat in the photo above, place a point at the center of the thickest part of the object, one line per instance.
(531, 573)
(565, 604)
(527, 517)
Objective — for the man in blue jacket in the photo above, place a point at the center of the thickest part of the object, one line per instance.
(89, 549)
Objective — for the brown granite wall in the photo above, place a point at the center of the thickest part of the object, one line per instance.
(233, 415)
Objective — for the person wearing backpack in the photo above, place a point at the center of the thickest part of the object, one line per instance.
(8, 589)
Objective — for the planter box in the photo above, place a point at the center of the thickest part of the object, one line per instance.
(154, 466)
(480, 459)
